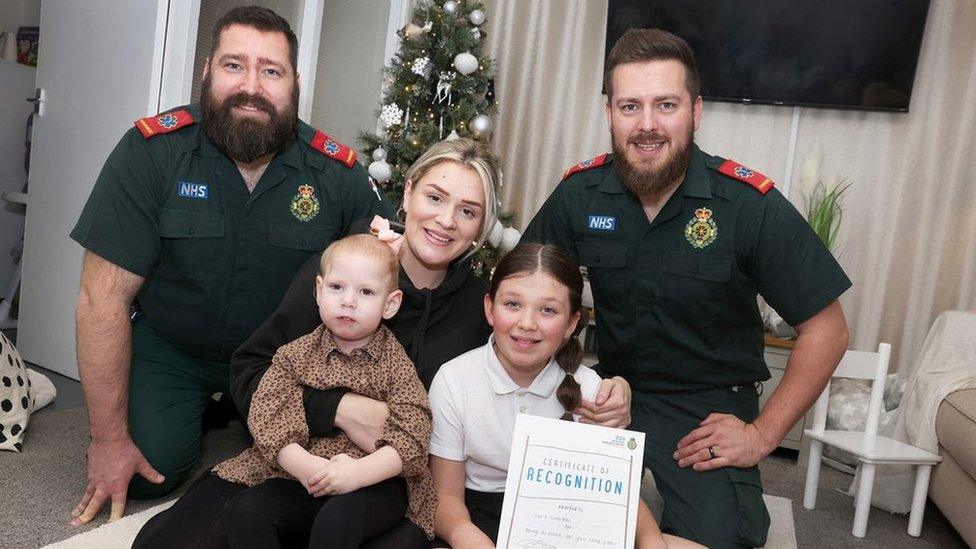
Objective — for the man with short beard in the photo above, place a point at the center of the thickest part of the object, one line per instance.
(677, 244)
(197, 224)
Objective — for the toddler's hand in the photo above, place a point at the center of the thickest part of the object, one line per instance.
(310, 468)
(341, 476)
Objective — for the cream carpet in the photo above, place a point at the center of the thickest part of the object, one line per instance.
(119, 534)
(39, 486)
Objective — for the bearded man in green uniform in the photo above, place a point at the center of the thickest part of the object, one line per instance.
(202, 226)
(677, 244)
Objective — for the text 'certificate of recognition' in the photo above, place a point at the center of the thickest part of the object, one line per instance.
(571, 485)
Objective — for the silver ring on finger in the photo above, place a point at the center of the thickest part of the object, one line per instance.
(711, 452)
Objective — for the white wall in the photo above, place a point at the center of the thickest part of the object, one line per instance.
(19, 13)
(348, 79)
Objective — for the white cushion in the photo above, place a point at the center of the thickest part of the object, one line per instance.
(43, 391)
(16, 400)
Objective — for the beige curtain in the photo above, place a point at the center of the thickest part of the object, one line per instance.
(550, 63)
(908, 240)
(909, 234)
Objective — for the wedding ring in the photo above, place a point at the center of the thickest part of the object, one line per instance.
(711, 452)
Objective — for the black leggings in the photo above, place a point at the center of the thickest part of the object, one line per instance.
(485, 509)
(215, 513)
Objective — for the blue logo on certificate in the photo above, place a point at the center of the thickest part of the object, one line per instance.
(188, 189)
(602, 223)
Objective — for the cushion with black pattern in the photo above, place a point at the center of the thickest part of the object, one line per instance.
(16, 398)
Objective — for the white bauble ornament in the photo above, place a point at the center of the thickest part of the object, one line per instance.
(465, 63)
(510, 238)
(452, 136)
(379, 154)
(450, 7)
(480, 126)
(495, 235)
(381, 171)
(477, 17)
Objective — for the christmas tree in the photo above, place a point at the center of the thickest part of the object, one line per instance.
(437, 86)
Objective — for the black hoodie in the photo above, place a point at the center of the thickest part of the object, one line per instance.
(433, 326)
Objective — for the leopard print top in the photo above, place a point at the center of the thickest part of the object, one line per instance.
(380, 370)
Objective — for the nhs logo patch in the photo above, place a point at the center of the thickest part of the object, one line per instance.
(602, 223)
(188, 189)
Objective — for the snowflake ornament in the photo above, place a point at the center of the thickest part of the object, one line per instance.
(391, 115)
(421, 66)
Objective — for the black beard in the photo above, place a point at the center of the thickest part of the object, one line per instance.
(242, 139)
(651, 183)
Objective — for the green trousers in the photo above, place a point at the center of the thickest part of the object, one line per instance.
(719, 508)
(168, 392)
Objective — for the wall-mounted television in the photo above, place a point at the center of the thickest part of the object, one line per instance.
(859, 54)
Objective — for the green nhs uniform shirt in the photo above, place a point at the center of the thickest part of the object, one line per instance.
(676, 298)
(170, 207)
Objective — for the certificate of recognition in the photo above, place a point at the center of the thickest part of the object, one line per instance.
(571, 485)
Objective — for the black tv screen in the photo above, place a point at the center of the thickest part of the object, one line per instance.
(858, 54)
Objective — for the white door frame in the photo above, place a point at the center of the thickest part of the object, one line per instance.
(176, 43)
(308, 54)
(399, 17)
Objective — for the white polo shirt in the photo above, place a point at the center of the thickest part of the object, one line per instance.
(474, 404)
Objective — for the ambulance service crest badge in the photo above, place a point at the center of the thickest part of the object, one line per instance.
(701, 230)
(305, 205)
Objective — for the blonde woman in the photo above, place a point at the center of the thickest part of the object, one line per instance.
(448, 210)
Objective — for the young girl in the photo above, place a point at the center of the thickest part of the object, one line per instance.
(531, 364)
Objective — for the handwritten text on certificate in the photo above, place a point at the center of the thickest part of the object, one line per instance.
(571, 485)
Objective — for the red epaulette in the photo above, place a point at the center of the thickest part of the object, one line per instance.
(164, 123)
(753, 178)
(587, 165)
(333, 149)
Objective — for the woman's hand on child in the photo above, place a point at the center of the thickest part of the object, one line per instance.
(340, 476)
(362, 419)
(611, 407)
